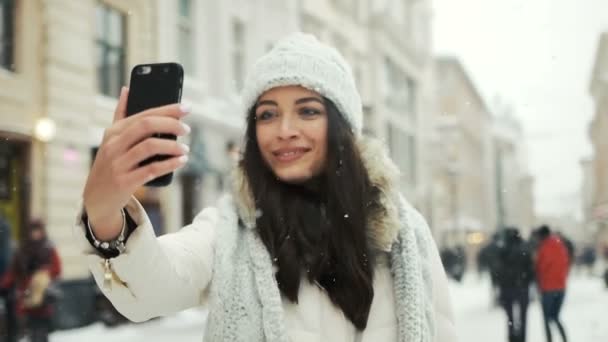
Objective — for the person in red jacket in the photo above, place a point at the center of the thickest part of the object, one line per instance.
(552, 265)
(35, 265)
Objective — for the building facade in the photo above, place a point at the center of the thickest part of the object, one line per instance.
(514, 184)
(597, 216)
(401, 104)
(464, 183)
(70, 59)
(62, 64)
(587, 193)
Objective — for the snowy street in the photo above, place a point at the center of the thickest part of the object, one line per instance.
(583, 314)
(584, 310)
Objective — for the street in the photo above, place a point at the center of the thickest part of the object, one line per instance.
(477, 321)
(583, 313)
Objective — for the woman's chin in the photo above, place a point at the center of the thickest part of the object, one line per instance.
(293, 177)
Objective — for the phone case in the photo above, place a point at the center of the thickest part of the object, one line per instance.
(154, 85)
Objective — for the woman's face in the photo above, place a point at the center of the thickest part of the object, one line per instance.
(291, 128)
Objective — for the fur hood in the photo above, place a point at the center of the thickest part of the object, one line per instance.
(383, 225)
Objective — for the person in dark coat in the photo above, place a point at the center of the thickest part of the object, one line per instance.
(5, 245)
(35, 265)
(514, 274)
(453, 260)
(489, 255)
(552, 266)
(8, 327)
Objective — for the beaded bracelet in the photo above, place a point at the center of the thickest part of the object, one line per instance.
(117, 244)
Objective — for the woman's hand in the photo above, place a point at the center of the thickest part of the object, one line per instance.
(116, 174)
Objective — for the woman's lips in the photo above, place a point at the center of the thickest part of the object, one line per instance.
(289, 154)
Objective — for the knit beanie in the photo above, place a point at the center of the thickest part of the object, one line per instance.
(300, 59)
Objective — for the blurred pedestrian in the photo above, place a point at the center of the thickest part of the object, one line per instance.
(490, 256)
(5, 245)
(35, 266)
(514, 274)
(552, 265)
(453, 260)
(570, 247)
(8, 326)
(314, 232)
(588, 258)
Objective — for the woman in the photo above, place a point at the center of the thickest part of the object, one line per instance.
(35, 265)
(314, 243)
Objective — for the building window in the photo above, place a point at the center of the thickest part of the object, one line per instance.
(402, 147)
(400, 90)
(411, 157)
(238, 55)
(341, 44)
(420, 27)
(185, 36)
(398, 11)
(7, 36)
(348, 7)
(312, 25)
(111, 47)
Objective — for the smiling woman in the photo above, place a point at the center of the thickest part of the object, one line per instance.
(291, 130)
(315, 243)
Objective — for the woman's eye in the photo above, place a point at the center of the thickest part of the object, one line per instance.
(266, 115)
(309, 111)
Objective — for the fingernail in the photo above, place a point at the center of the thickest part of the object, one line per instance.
(183, 159)
(185, 108)
(186, 128)
(184, 148)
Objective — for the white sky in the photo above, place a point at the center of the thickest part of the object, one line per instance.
(537, 55)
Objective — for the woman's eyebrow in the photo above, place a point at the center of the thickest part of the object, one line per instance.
(267, 102)
(308, 99)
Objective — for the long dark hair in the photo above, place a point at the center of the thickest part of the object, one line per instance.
(318, 228)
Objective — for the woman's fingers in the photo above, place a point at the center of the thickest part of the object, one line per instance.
(149, 126)
(148, 148)
(144, 174)
(121, 108)
(175, 111)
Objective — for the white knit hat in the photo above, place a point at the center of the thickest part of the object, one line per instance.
(300, 59)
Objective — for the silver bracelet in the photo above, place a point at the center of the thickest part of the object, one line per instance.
(116, 244)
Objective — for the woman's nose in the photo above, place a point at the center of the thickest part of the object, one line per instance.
(287, 128)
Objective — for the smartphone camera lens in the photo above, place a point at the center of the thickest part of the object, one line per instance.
(166, 69)
(144, 70)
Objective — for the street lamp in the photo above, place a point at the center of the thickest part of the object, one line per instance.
(45, 129)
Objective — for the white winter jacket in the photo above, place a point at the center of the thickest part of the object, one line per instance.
(161, 276)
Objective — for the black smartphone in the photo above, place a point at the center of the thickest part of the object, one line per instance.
(154, 85)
